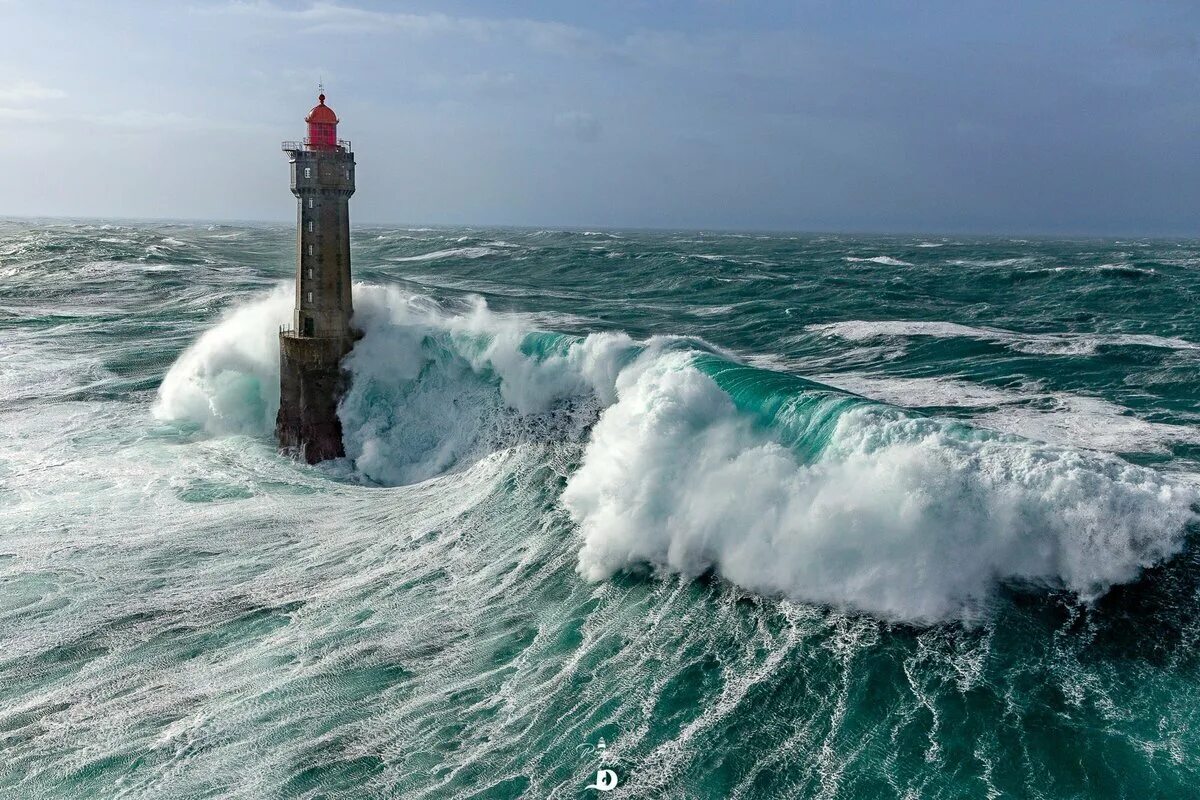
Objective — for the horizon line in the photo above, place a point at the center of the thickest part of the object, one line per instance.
(603, 228)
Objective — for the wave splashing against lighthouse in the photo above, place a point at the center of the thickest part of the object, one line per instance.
(691, 462)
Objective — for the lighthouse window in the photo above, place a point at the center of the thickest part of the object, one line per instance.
(307, 172)
(310, 272)
(310, 202)
(310, 297)
(310, 249)
(310, 226)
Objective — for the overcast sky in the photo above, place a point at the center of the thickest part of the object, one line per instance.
(1055, 116)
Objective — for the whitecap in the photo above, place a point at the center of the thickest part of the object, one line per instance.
(1034, 343)
(1061, 418)
(886, 261)
(456, 252)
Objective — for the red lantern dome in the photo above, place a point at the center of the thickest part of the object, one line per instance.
(322, 125)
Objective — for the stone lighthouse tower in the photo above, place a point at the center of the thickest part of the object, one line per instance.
(311, 349)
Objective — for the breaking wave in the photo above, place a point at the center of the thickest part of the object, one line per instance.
(887, 261)
(454, 252)
(689, 462)
(1038, 343)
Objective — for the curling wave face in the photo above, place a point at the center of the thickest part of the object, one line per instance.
(691, 462)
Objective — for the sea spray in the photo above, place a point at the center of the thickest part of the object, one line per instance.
(906, 517)
(227, 382)
(432, 389)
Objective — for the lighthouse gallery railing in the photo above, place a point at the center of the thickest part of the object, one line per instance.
(343, 144)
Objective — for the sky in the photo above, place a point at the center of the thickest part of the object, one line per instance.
(1051, 117)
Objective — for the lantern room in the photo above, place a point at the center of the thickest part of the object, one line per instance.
(322, 126)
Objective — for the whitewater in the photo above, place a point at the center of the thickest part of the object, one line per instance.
(773, 515)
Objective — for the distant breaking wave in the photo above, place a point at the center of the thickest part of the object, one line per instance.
(454, 252)
(1040, 343)
(1060, 418)
(690, 462)
(886, 261)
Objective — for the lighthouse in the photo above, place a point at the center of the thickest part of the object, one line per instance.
(312, 347)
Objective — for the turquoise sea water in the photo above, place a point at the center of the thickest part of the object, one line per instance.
(771, 515)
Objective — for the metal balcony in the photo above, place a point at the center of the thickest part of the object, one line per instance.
(343, 145)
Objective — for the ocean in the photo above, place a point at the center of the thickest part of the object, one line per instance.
(770, 515)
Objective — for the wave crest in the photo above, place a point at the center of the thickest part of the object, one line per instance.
(431, 389)
(906, 517)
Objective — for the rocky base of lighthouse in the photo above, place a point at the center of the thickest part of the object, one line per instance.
(311, 383)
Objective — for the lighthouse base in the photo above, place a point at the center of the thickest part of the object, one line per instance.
(311, 382)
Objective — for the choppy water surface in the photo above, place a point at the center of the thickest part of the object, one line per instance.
(774, 516)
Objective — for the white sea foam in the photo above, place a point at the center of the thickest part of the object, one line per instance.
(454, 252)
(674, 476)
(886, 261)
(918, 392)
(997, 262)
(1039, 343)
(1060, 418)
(1089, 422)
(710, 311)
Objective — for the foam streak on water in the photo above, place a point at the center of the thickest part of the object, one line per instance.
(775, 516)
